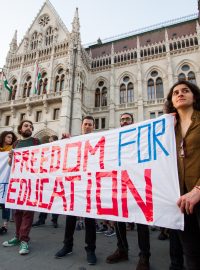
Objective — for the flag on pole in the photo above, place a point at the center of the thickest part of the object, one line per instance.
(6, 84)
(38, 77)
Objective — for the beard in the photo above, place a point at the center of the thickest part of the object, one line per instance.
(26, 134)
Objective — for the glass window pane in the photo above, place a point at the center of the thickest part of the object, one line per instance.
(181, 77)
(104, 97)
(159, 88)
(150, 89)
(97, 98)
(122, 94)
(191, 77)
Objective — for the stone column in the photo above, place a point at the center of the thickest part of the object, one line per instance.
(112, 92)
(139, 84)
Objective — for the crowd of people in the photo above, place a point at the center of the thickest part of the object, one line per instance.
(183, 102)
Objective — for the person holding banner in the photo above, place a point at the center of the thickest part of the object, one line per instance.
(90, 223)
(183, 101)
(7, 138)
(23, 218)
(121, 254)
(43, 216)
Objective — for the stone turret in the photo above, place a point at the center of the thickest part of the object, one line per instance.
(12, 49)
(13, 44)
(75, 34)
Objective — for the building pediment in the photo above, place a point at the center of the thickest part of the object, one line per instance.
(47, 28)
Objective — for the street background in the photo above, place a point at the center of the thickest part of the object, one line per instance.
(47, 240)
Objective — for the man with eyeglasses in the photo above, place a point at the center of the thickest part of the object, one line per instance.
(121, 254)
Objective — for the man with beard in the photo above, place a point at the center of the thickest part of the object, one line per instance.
(23, 218)
(90, 224)
(121, 254)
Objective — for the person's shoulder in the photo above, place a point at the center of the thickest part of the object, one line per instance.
(196, 115)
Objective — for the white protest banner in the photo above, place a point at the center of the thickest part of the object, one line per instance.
(125, 174)
(4, 175)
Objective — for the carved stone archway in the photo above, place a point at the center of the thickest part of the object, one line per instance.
(44, 134)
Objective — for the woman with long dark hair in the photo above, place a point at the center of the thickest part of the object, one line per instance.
(7, 138)
(184, 101)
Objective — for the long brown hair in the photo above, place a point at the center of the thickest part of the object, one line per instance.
(194, 89)
(4, 134)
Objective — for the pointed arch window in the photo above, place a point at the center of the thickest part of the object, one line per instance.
(27, 87)
(155, 86)
(122, 93)
(13, 86)
(82, 87)
(182, 77)
(159, 88)
(104, 97)
(62, 82)
(49, 36)
(97, 97)
(126, 90)
(130, 97)
(191, 77)
(187, 74)
(59, 83)
(43, 83)
(25, 90)
(14, 91)
(101, 95)
(34, 41)
(150, 89)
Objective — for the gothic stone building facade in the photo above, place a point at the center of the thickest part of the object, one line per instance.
(128, 74)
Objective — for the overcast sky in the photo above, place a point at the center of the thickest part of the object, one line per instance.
(98, 18)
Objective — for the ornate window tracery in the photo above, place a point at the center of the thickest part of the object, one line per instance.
(187, 74)
(155, 86)
(126, 90)
(59, 83)
(101, 94)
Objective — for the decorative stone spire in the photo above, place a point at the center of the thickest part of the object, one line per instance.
(112, 53)
(13, 47)
(166, 35)
(75, 23)
(75, 34)
(138, 48)
(112, 49)
(90, 53)
(13, 44)
(138, 42)
(167, 41)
